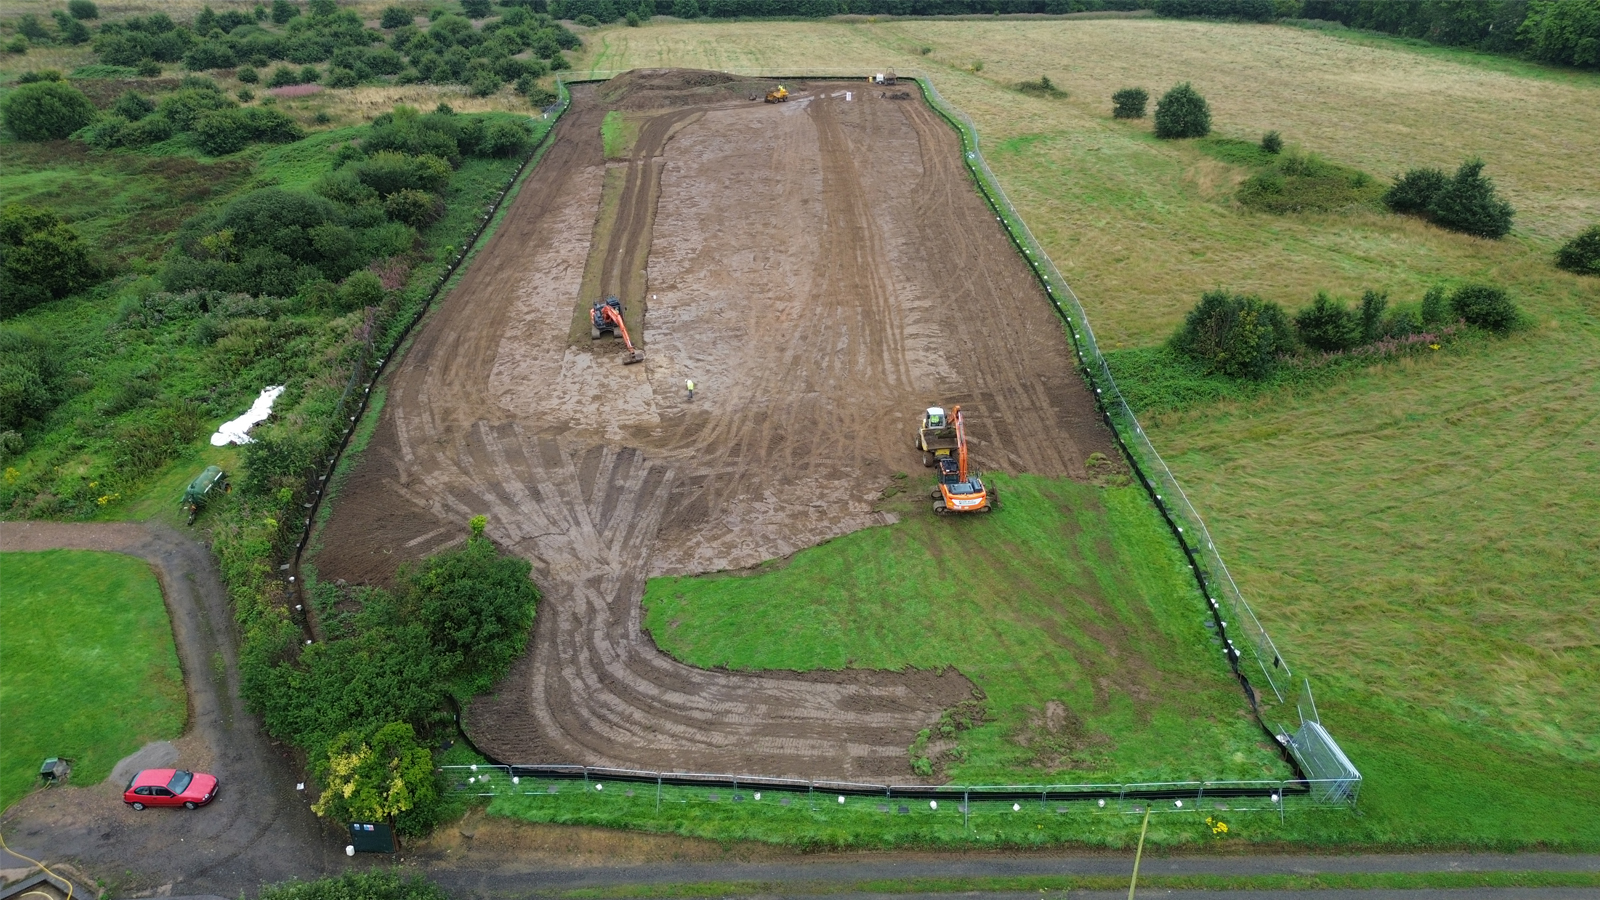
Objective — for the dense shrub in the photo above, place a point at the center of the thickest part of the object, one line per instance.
(46, 110)
(505, 138)
(1272, 142)
(30, 377)
(1414, 191)
(375, 884)
(1468, 203)
(40, 259)
(283, 76)
(209, 55)
(395, 17)
(83, 9)
(476, 605)
(414, 208)
(1328, 325)
(231, 130)
(1485, 306)
(686, 9)
(72, 31)
(183, 108)
(1582, 253)
(387, 172)
(1236, 335)
(378, 773)
(477, 9)
(1128, 103)
(1436, 309)
(1373, 305)
(1182, 113)
(133, 106)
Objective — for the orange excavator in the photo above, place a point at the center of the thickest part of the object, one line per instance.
(959, 490)
(606, 318)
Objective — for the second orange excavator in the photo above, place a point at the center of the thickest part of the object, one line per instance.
(606, 318)
(960, 490)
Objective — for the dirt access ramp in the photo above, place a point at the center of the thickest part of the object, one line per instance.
(823, 269)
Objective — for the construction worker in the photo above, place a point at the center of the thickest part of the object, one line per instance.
(690, 385)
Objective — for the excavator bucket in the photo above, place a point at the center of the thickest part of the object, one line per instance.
(635, 356)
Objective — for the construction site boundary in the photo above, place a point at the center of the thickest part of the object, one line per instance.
(497, 780)
(1284, 708)
(1183, 520)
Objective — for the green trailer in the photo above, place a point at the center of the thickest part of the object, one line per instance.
(203, 489)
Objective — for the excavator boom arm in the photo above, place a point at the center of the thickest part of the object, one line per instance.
(961, 445)
(616, 319)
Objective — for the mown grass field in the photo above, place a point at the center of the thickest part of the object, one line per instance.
(1071, 608)
(1413, 534)
(88, 669)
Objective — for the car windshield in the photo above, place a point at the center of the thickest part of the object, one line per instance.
(180, 780)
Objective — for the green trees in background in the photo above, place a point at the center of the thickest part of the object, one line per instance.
(1182, 113)
(1565, 32)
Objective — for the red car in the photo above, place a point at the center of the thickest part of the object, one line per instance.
(170, 787)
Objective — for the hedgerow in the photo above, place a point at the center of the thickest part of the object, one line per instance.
(1249, 338)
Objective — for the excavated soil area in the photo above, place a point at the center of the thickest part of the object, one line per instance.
(822, 269)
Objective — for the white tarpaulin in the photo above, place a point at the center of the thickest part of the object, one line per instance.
(238, 430)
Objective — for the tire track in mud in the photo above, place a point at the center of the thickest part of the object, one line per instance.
(824, 269)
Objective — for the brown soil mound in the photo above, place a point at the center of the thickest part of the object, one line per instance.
(644, 89)
(823, 269)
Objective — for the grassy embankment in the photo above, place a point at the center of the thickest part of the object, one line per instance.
(1407, 531)
(88, 669)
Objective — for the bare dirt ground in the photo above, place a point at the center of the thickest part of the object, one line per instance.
(259, 829)
(823, 269)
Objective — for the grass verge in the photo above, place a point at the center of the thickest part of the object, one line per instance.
(1041, 883)
(88, 669)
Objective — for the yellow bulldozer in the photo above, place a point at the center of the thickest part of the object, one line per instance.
(781, 95)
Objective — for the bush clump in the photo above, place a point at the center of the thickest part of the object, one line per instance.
(1486, 307)
(46, 111)
(1304, 182)
(40, 259)
(1414, 191)
(1582, 253)
(1467, 202)
(1272, 142)
(1328, 325)
(1236, 335)
(377, 884)
(1041, 87)
(1129, 103)
(1182, 113)
(395, 17)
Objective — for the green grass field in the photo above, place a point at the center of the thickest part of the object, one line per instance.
(88, 669)
(1071, 608)
(1413, 534)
